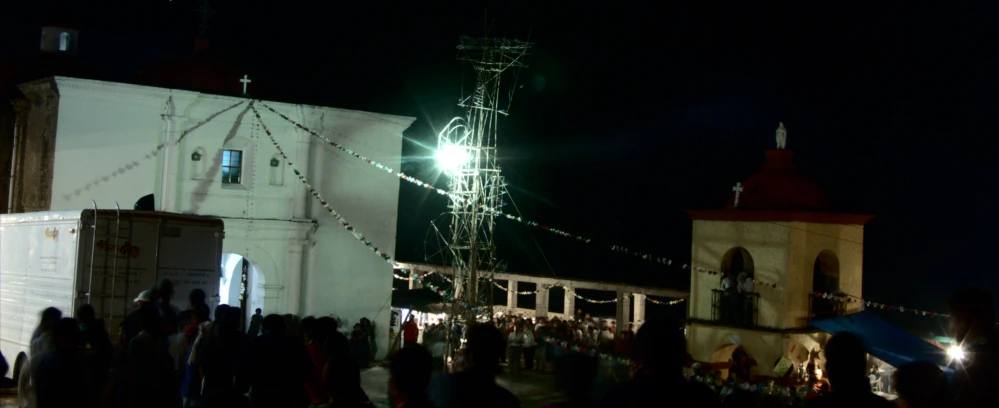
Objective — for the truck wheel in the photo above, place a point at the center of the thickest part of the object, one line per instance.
(19, 363)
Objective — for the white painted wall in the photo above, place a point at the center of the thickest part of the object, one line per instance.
(106, 132)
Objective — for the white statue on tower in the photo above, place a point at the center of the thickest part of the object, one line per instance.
(781, 136)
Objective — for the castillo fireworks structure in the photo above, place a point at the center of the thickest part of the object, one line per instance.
(467, 153)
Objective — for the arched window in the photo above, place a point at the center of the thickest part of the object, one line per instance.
(197, 164)
(64, 41)
(825, 279)
(825, 273)
(276, 170)
(737, 260)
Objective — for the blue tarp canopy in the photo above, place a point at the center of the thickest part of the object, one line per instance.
(884, 341)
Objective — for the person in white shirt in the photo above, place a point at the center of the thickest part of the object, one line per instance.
(516, 344)
(530, 346)
(745, 283)
(726, 282)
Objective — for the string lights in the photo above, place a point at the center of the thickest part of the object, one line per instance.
(615, 248)
(875, 305)
(149, 156)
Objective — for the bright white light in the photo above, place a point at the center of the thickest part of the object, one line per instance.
(452, 158)
(955, 352)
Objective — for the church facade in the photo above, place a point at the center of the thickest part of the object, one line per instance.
(81, 141)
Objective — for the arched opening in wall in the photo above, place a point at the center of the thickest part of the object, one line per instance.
(735, 300)
(732, 360)
(64, 41)
(825, 279)
(276, 170)
(198, 161)
(242, 285)
(737, 260)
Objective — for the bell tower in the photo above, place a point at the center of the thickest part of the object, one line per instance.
(775, 244)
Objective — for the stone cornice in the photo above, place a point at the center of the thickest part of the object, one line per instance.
(40, 89)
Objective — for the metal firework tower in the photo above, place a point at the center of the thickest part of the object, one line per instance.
(467, 152)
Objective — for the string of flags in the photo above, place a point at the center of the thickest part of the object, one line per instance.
(875, 305)
(149, 156)
(315, 193)
(686, 267)
(616, 248)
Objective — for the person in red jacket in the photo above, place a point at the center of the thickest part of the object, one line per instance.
(410, 332)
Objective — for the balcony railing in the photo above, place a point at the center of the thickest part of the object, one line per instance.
(737, 309)
(822, 308)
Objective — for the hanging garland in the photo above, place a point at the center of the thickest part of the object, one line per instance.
(315, 193)
(875, 305)
(616, 248)
(149, 156)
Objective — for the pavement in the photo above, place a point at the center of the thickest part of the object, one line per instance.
(533, 388)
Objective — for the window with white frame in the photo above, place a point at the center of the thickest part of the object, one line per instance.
(232, 166)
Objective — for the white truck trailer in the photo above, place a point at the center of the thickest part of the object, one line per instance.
(65, 259)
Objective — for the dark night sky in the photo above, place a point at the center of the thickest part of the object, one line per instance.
(631, 114)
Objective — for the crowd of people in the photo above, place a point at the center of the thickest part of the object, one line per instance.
(163, 357)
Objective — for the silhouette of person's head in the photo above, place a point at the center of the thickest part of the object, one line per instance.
(85, 314)
(273, 324)
(196, 297)
(410, 370)
(846, 361)
(149, 320)
(66, 334)
(484, 347)
(921, 384)
(259, 312)
(50, 316)
(972, 312)
(660, 348)
(164, 290)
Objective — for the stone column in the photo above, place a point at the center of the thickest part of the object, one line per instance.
(623, 309)
(569, 303)
(34, 177)
(293, 276)
(511, 295)
(272, 298)
(639, 316)
(541, 302)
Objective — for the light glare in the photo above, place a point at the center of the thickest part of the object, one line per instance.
(955, 352)
(452, 158)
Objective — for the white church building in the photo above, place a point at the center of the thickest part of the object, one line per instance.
(79, 141)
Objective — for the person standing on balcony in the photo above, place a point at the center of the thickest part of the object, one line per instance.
(746, 298)
(728, 298)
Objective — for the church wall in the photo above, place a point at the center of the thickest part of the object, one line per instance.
(347, 278)
(767, 244)
(323, 271)
(807, 241)
(101, 151)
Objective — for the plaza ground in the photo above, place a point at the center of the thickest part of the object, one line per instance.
(532, 388)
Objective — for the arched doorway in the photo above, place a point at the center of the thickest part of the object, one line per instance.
(242, 285)
(825, 279)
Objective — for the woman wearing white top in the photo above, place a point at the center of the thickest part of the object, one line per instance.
(516, 343)
(529, 347)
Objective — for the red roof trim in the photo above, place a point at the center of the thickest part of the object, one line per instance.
(789, 216)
